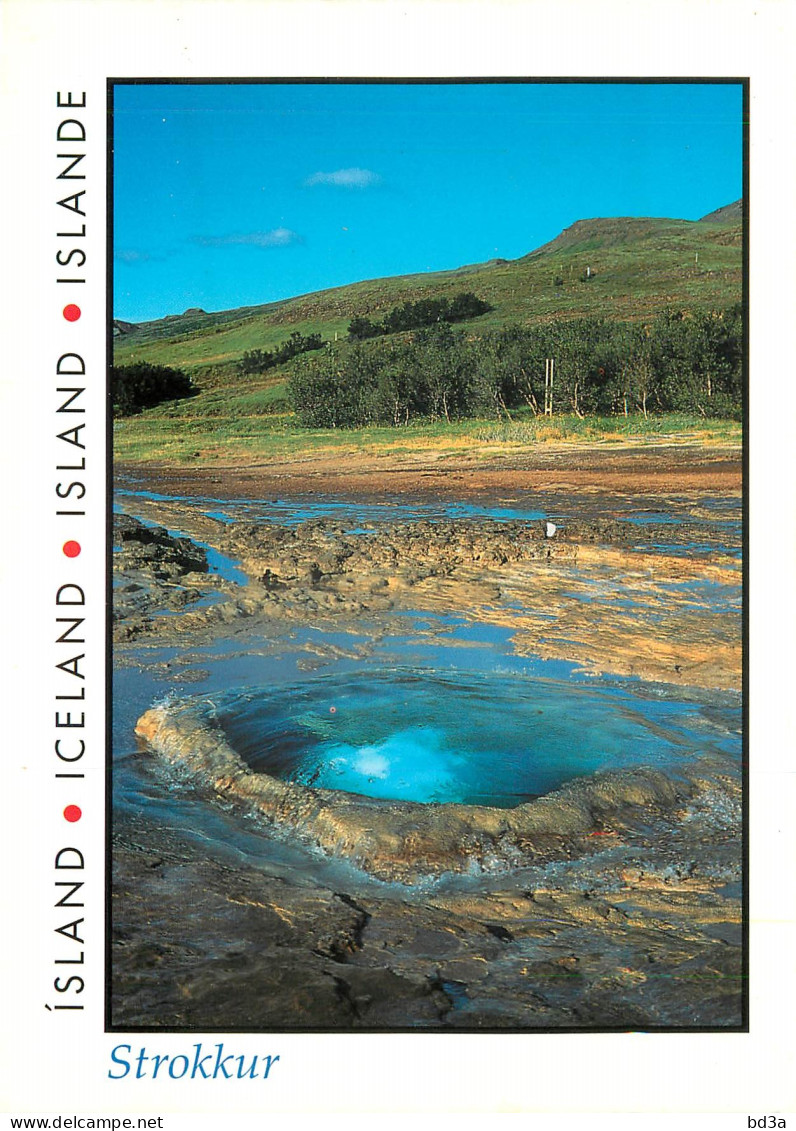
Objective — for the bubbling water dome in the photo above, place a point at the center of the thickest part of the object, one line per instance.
(497, 740)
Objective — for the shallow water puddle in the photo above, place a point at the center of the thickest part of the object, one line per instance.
(354, 516)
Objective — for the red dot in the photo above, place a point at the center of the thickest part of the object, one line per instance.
(71, 312)
(73, 813)
(71, 549)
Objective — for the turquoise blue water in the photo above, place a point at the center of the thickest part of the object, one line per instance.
(496, 739)
(291, 512)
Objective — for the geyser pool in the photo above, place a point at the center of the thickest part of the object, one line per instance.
(450, 737)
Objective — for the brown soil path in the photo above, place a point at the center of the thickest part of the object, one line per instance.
(648, 470)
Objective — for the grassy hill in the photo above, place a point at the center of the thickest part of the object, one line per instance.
(620, 268)
(637, 267)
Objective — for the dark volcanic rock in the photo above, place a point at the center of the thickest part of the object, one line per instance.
(153, 550)
(154, 572)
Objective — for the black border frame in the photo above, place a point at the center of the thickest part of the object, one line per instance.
(111, 83)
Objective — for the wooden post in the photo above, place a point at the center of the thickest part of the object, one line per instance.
(548, 386)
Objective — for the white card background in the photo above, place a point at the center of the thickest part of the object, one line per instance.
(57, 1062)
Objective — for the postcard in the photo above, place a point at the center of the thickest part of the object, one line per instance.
(392, 726)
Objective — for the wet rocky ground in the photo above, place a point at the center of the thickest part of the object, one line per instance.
(628, 917)
(597, 591)
(641, 938)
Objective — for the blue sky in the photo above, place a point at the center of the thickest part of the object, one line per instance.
(232, 195)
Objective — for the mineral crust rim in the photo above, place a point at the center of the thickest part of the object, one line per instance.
(406, 840)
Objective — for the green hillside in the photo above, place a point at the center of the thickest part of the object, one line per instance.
(623, 269)
(635, 267)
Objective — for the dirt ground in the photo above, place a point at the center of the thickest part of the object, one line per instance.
(649, 469)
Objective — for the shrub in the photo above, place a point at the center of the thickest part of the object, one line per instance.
(258, 361)
(138, 386)
(417, 315)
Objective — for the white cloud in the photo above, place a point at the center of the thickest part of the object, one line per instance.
(277, 237)
(131, 255)
(345, 178)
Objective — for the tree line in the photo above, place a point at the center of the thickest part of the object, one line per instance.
(258, 361)
(416, 315)
(676, 362)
